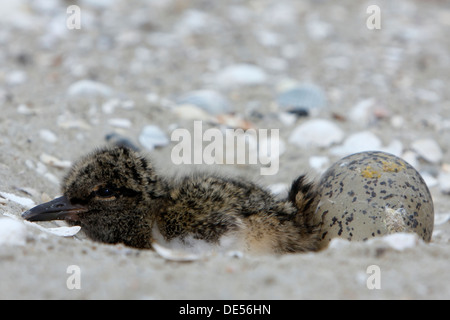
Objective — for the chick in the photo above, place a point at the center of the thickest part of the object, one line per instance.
(116, 196)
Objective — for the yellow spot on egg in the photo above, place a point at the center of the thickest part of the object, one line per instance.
(389, 166)
(370, 173)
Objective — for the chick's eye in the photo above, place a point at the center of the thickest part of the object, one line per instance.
(105, 192)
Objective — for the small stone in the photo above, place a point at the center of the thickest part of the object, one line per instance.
(319, 163)
(358, 142)
(279, 189)
(12, 232)
(48, 136)
(208, 100)
(120, 123)
(238, 75)
(316, 133)
(55, 162)
(395, 148)
(89, 88)
(430, 181)
(152, 137)
(444, 182)
(288, 119)
(411, 158)
(428, 149)
(191, 112)
(16, 77)
(301, 98)
(109, 106)
(362, 114)
(25, 110)
(441, 218)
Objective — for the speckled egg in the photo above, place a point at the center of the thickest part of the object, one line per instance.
(373, 193)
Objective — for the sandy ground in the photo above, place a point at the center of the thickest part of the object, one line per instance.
(152, 52)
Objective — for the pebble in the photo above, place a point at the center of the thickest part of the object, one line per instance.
(279, 189)
(441, 218)
(316, 133)
(120, 123)
(152, 137)
(25, 110)
(319, 163)
(16, 77)
(55, 162)
(357, 142)
(191, 112)
(89, 88)
(288, 119)
(301, 99)
(210, 101)
(238, 75)
(48, 136)
(444, 182)
(12, 232)
(428, 149)
(430, 181)
(362, 113)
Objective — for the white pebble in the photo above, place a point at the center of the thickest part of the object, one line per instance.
(316, 133)
(444, 182)
(357, 142)
(428, 149)
(191, 112)
(208, 100)
(430, 181)
(411, 158)
(120, 123)
(362, 113)
(319, 163)
(16, 77)
(241, 75)
(12, 232)
(109, 106)
(25, 110)
(395, 148)
(48, 136)
(55, 162)
(89, 88)
(278, 188)
(288, 119)
(441, 218)
(152, 136)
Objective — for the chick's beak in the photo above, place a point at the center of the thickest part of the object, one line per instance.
(57, 209)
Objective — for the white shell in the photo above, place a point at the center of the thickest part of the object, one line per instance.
(176, 255)
(12, 232)
(24, 202)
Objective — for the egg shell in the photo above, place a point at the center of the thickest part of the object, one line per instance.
(371, 194)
